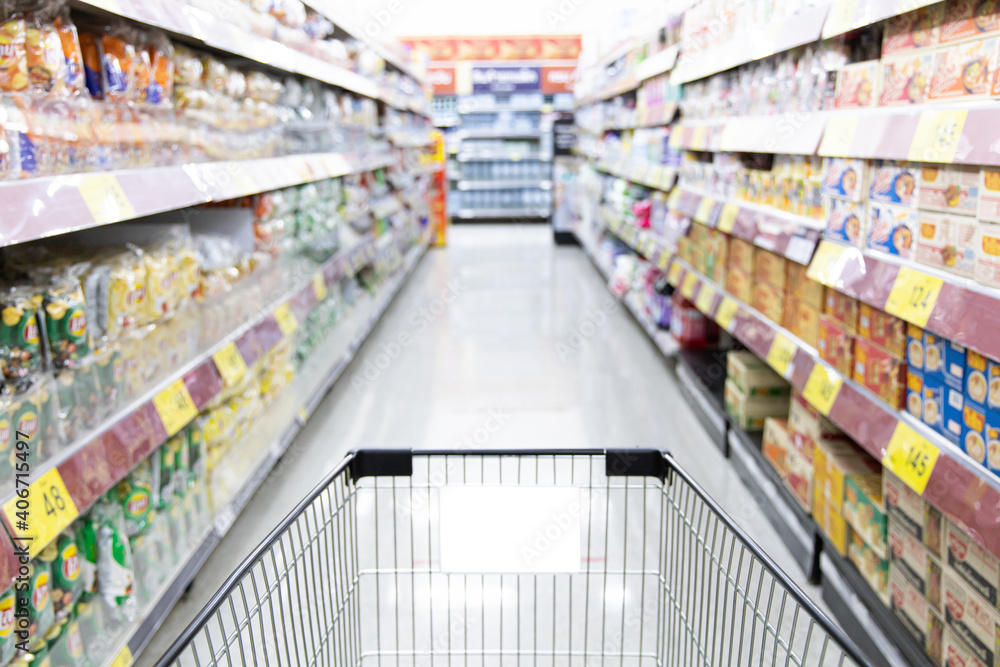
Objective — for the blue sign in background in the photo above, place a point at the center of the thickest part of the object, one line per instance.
(506, 79)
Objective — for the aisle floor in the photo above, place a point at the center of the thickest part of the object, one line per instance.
(513, 348)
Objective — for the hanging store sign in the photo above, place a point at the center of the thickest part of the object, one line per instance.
(506, 79)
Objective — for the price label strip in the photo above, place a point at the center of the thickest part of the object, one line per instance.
(674, 276)
(781, 355)
(727, 218)
(726, 315)
(663, 262)
(838, 136)
(286, 319)
(706, 297)
(46, 512)
(937, 135)
(911, 457)
(123, 659)
(704, 210)
(688, 286)
(822, 388)
(913, 296)
(822, 262)
(105, 198)
(175, 407)
(319, 286)
(674, 200)
(230, 364)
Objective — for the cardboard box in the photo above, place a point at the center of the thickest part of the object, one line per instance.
(776, 444)
(739, 285)
(845, 221)
(864, 510)
(976, 382)
(977, 567)
(882, 373)
(906, 79)
(916, 614)
(872, 566)
(769, 300)
(803, 288)
(835, 345)
(830, 521)
(934, 400)
(958, 654)
(962, 71)
(954, 365)
(771, 269)
(834, 462)
(891, 229)
(954, 406)
(809, 427)
(799, 479)
(987, 269)
(949, 188)
(842, 309)
(857, 86)
(885, 330)
(715, 257)
(752, 376)
(844, 178)
(893, 182)
(685, 249)
(915, 347)
(908, 511)
(974, 431)
(915, 393)
(803, 321)
(992, 435)
(913, 30)
(921, 568)
(967, 19)
(948, 241)
(993, 385)
(749, 412)
(989, 195)
(972, 620)
(742, 255)
(934, 353)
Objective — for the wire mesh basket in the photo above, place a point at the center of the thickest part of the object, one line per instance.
(555, 558)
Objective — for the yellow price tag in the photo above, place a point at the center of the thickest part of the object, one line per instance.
(319, 286)
(698, 137)
(105, 198)
(674, 276)
(687, 287)
(911, 457)
(663, 261)
(230, 364)
(838, 136)
(303, 415)
(913, 296)
(175, 407)
(705, 207)
(124, 659)
(937, 135)
(781, 356)
(819, 268)
(674, 200)
(727, 313)
(727, 218)
(46, 512)
(286, 320)
(654, 176)
(822, 388)
(667, 179)
(706, 297)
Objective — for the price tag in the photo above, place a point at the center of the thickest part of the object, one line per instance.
(726, 315)
(663, 261)
(698, 137)
(841, 18)
(104, 197)
(638, 173)
(677, 137)
(123, 659)
(705, 207)
(687, 287)
(913, 296)
(823, 259)
(667, 179)
(48, 511)
(706, 297)
(674, 277)
(838, 137)
(655, 176)
(319, 286)
(286, 320)
(937, 135)
(230, 364)
(175, 407)
(674, 200)
(781, 356)
(911, 457)
(727, 218)
(822, 388)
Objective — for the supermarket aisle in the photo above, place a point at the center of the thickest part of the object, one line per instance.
(500, 330)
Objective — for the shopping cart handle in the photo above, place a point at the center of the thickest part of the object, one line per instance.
(636, 463)
(381, 463)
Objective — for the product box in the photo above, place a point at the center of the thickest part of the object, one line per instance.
(799, 479)
(857, 86)
(993, 385)
(934, 402)
(834, 462)
(989, 195)
(893, 183)
(830, 521)
(978, 568)
(966, 19)
(844, 221)
(835, 345)
(742, 255)
(771, 269)
(974, 431)
(770, 301)
(685, 248)
(844, 178)
(885, 330)
(917, 29)
(891, 229)
(872, 566)
(963, 71)
(915, 561)
(976, 382)
(915, 613)
(842, 309)
(954, 365)
(776, 444)
(803, 321)
(740, 285)
(906, 80)
(754, 377)
(915, 347)
(908, 511)
(970, 618)
(864, 510)
(749, 412)
(992, 435)
(958, 654)
(808, 427)
(987, 269)
(933, 356)
(715, 257)
(954, 405)
(915, 392)
(948, 241)
(949, 188)
(803, 288)
(882, 373)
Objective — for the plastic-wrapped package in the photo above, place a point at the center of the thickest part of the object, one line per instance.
(44, 53)
(37, 604)
(8, 639)
(161, 81)
(13, 56)
(115, 570)
(110, 371)
(20, 341)
(63, 558)
(33, 412)
(64, 309)
(90, 51)
(66, 647)
(69, 40)
(135, 494)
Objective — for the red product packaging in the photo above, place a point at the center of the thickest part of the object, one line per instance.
(965, 19)
(906, 79)
(880, 372)
(918, 29)
(966, 70)
(843, 309)
(689, 326)
(885, 330)
(835, 345)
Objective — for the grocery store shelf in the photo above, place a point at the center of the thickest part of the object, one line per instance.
(472, 213)
(794, 134)
(848, 15)
(793, 236)
(956, 485)
(41, 207)
(752, 44)
(498, 134)
(505, 185)
(626, 84)
(657, 64)
(656, 176)
(503, 157)
(961, 310)
(643, 241)
(644, 117)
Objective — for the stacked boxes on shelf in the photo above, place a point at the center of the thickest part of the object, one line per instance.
(753, 391)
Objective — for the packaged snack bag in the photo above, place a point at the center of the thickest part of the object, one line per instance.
(110, 371)
(67, 583)
(118, 64)
(161, 80)
(66, 330)
(38, 598)
(13, 57)
(44, 55)
(72, 53)
(66, 649)
(143, 68)
(90, 51)
(135, 493)
(115, 573)
(85, 538)
(7, 637)
(19, 335)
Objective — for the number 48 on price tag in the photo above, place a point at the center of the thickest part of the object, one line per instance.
(45, 511)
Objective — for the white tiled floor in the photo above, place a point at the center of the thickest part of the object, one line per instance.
(518, 341)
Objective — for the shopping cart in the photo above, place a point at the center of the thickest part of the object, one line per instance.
(446, 558)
